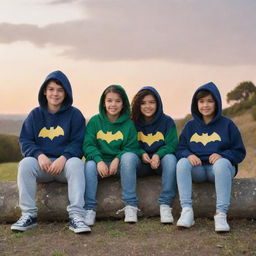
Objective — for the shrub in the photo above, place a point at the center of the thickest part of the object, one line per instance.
(254, 112)
(9, 150)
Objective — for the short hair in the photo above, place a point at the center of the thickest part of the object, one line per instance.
(203, 93)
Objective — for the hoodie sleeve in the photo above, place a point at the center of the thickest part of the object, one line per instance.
(183, 149)
(171, 142)
(131, 143)
(90, 149)
(236, 153)
(74, 148)
(27, 140)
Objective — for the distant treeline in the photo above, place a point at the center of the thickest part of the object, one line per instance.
(9, 148)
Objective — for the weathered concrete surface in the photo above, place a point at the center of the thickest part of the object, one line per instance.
(52, 199)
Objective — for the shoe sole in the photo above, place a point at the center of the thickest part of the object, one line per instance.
(81, 230)
(131, 221)
(169, 221)
(180, 226)
(22, 229)
(222, 230)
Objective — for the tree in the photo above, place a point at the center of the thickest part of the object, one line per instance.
(242, 92)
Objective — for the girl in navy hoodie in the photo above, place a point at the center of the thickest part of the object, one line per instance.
(157, 136)
(210, 148)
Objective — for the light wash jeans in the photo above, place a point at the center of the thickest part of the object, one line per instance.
(29, 173)
(126, 171)
(221, 173)
(167, 169)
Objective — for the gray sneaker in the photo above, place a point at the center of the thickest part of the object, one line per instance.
(77, 224)
(220, 221)
(130, 213)
(166, 214)
(25, 222)
(186, 219)
(90, 216)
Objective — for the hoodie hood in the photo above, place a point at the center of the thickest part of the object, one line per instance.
(65, 84)
(212, 88)
(159, 112)
(125, 114)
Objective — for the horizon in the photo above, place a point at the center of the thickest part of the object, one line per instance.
(175, 46)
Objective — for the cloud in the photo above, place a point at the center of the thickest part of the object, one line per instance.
(55, 2)
(220, 32)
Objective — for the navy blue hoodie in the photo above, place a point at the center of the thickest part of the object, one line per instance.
(158, 136)
(219, 136)
(53, 134)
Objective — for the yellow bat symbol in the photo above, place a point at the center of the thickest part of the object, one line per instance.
(51, 133)
(205, 138)
(109, 136)
(150, 138)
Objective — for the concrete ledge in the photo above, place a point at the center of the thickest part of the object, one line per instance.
(52, 199)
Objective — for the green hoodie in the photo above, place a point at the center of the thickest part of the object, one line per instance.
(105, 140)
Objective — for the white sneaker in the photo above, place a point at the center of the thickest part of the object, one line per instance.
(186, 219)
(166, 214)
(90, 216)
(130, 213)
(220, 221)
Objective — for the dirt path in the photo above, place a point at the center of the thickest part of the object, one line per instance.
(147, 237)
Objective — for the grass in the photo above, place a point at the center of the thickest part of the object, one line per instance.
(8, 171)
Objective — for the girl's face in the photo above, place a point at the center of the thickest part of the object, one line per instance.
(113, 105)
(206, 106)
(148, 107)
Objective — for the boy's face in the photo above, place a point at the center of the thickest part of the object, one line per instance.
(206, 106)
(55, 95)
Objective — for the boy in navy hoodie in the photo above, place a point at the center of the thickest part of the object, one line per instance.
(210, 149)
(51, 141)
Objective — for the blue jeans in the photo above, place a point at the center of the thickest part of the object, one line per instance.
(167, 169)
(29, 173)
(127, 172)
(221, 173)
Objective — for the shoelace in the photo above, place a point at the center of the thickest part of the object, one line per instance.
(123, 209)
(78, 221)
(166, 211)
(23, 219)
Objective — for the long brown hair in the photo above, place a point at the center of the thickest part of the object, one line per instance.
(136, 114)
(118, 91)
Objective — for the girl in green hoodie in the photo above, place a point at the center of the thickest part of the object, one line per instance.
(110, 148)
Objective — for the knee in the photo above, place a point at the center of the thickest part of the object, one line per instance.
(26, 165)
(74, 164)
(90, 168)
(169, 159)
(184, 164)
(129, 158)
(221, 166)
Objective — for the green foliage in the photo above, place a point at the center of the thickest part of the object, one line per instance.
(242, 92)
(9, 150)
(254, 112)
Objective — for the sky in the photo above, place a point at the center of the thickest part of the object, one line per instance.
(173, 45)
